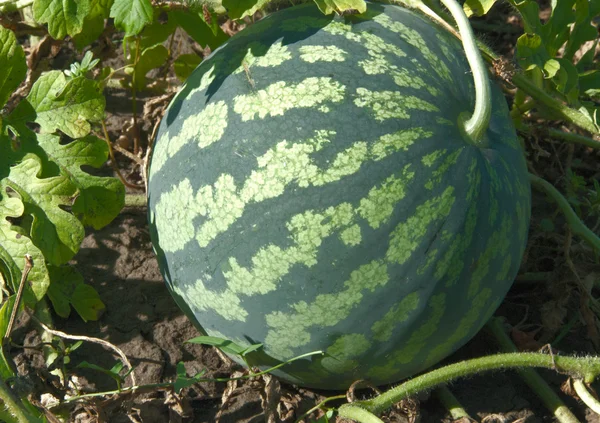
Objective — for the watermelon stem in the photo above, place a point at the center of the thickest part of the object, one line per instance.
(576, 225)
(358, 414)
(477, 124)
(583, 367)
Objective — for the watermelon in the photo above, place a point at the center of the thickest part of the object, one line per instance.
(311, 189)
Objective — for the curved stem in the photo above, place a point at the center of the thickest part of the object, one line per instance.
(532, 378)
(13, 406)
(477, 124)
(450, 402)
(576, 225)
(585, 367)
(586, 396)
(358, 414)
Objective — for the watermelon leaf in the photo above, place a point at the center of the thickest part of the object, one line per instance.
(64, 17)
(478, 7)
(328, 7)
(93, 23)
(68, 289)
(57, 104)
(12, 63)
(225, 345)
(183, 380)
(131, 15)
(185, 64)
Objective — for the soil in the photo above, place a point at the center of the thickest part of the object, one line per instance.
(144, 322)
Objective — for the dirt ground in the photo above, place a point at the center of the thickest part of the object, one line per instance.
(144, 322)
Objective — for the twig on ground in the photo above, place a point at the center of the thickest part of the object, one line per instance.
(102, 342)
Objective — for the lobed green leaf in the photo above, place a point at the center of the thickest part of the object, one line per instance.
(64, 17)
(68, 290)
(57, 104)
(340, 6)
(12, 63)
(131, 15)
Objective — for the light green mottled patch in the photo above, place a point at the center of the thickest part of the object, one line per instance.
(205, 128)
(415, 39)
(383, 328)
(376, 65)
(379, 204)
(444, 121)
(340, 28)
(465, 326)
(278, 98)
(391, 143)
(220, 205)
(406, 78)
(160, 154)
(201, 298)
(407, 236)
(377, 45)
(304, 23)
(498, 244)
(342, 352)
(351, 236)
(273, 57)
(447, 50)
(271, 263)
(453, 262)
(175, 212)
(390, 104)
(505, 269)
(289, 163)
(207, 78)
(419, 337)
(345, 163)
(289, 330)
(437, 176)
(417, 340)
(429, 159)
(312, 54)
(430, 260)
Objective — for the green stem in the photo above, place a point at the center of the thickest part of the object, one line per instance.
(576, 225)
(574, 138)
(350, 411)
(585, 396)
(532, 378)
(478, 123)
(319, 406)
(586, 367)
(450, 402)
(136, 200)
(13, 406)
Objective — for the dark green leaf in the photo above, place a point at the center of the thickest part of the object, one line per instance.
(185, 64)
(99, 199)
(12, 63)
(56, 232)
(196, 27)
(225, 345)
(182, 380)
(131, 15)
(64, 17)
(57, 104)
(151, 58)
(340, 6)
(478, 7)
(87, 303)
(7, 369)
(93, 23)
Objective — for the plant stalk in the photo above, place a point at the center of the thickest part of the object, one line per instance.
(586, 396)
(14, 406)
(350, 411)
(478, 123)
(584, 367)
(576, 225)
(533, 379)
